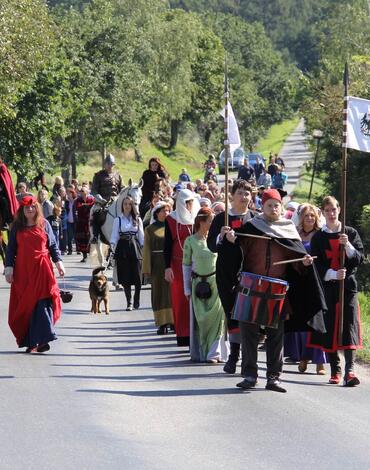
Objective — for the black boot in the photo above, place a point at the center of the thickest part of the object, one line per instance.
(230, 366)
(137, 297)
(128, 297)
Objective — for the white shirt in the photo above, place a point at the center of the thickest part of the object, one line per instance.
(124, 224)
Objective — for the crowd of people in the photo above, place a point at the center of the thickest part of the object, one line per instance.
(219, 281)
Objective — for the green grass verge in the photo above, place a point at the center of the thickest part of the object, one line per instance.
(363, 355)
(302, 188)
(276, 136)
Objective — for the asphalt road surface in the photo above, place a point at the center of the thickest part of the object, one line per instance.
(111, 394)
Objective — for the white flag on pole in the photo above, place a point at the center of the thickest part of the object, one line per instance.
(233, 131)
(358, 124)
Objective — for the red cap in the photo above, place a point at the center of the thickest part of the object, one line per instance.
(271, 194)
(27, 201)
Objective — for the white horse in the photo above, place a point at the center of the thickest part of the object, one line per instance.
(115, 210)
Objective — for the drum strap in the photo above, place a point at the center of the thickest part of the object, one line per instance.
(264, 295)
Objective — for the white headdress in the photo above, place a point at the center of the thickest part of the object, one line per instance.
(182, 215)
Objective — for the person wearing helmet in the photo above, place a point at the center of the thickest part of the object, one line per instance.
(107, 184)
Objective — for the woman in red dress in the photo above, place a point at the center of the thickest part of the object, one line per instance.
(178, 226)
(34, 305)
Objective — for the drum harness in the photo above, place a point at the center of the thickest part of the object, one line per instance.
(267, 295)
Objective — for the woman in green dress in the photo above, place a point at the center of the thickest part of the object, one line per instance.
(207, 317)
(153, 267)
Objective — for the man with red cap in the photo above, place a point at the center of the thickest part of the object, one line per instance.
(265, 240)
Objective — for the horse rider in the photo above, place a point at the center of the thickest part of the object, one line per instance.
(106, 185)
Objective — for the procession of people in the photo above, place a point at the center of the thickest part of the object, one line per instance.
(226, 284)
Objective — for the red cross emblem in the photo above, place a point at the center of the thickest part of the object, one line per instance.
(334, 254)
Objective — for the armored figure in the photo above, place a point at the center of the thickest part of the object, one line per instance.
(107, 183)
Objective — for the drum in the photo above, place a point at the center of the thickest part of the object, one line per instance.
(259, 300)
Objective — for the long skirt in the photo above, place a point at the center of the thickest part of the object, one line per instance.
(41, 329)
(161, 293)
(207, 327)
(295, 347)
(180, 304)
(128, 263)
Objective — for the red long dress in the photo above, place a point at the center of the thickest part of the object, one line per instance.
(180, 304)
(33, 282)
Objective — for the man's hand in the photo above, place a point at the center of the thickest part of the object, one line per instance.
(343, 239)
(307, 260)
(230, 236)
(341, 274)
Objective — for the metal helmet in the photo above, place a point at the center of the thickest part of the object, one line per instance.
(109, 160)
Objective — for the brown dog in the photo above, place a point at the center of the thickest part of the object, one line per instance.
(99, 291)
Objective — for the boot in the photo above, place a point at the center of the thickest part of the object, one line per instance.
(230, 366)
(137, 298)
(128, 297)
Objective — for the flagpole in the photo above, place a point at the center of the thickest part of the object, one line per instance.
(343, 202)
(226, 143)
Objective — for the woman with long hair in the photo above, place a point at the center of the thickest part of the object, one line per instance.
(295, 343)
(34, 305)
(153, 267)
(127, 242)
(82, 208)
(151, 179)
(207, 317)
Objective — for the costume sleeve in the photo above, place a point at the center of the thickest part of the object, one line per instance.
(94, 186)
(147, 269)
(52, 244)
(358, 253)
(214, 231)
(140, 232)
(11, 251)
(186, 266)
(167, 251)
(315, 248)
(115, 233)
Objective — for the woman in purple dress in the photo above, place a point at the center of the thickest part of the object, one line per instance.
(295, 343)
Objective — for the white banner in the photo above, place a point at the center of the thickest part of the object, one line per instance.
(358, 124)
(234, 136)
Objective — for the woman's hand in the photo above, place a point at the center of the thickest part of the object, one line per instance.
(188, 297)
(168, 275)
(60, 267)
(9, 274)
(307, 260)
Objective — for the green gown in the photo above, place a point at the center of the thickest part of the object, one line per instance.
(153, 264)
(207, 320)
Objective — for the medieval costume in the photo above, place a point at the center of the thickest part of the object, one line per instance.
(304, 303)
(228, 265)
(8, 200)
(150, 179)
(325, 245)
(207, 317)
(178, 226)
(34, 305)
(127, 241)
(82, 210)
(108, 185)
(153, 264)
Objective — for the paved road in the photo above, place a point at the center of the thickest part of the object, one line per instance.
(113, 394)
(295, 154)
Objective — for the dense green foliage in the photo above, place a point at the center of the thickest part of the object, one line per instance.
(107, 72)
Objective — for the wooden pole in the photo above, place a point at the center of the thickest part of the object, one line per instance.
(226, 143)
(343, 202)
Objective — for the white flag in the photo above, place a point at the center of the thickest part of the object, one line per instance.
(233, 131)
(358, 124)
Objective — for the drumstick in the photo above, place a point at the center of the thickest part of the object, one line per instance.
(252, 236)
(291, 260)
